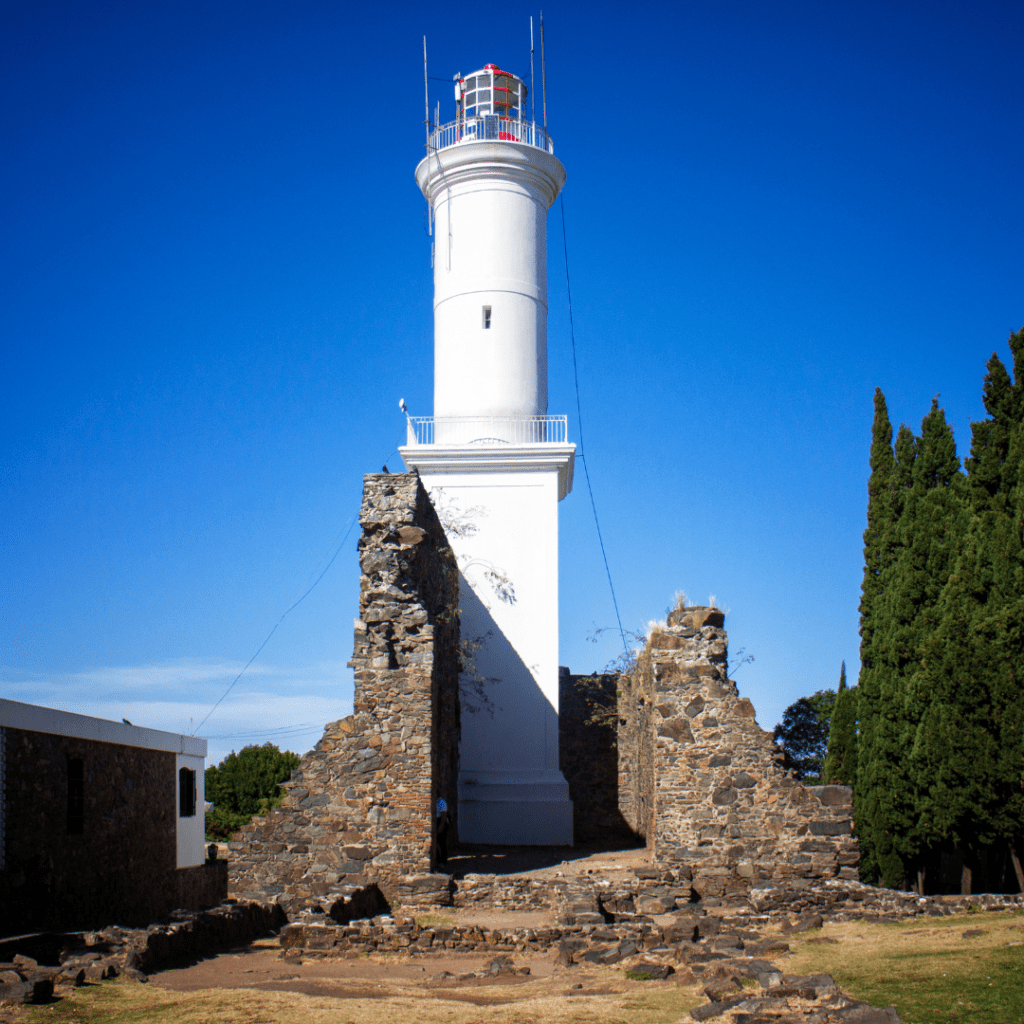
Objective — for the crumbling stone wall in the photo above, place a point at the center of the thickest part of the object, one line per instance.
(360, 806)
(588, 757)
(635, 741)
(721, 804)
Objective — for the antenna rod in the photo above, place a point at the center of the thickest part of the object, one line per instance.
(426, 93)
(543, 80)
(533, 99)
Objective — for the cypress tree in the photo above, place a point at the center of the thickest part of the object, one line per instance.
(880, 522)
(954, 755)
(876, 539)
(940, 754)
(936, 522)
(1007, 621)
(928, 499)
(878, 794)
(968, 751)
(990, 439)
(841, 761)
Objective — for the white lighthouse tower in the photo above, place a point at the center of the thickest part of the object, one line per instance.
(494, 462)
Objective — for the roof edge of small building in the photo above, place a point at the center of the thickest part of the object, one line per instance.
(36, 718)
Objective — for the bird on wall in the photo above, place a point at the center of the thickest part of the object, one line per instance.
(126, 722)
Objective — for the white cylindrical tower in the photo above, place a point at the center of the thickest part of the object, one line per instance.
(494, 463)
(490, 177)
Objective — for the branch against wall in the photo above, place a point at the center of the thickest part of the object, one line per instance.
(457, 521)
(472, 682)
(462, 523)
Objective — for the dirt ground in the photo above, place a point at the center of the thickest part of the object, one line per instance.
(444, 975)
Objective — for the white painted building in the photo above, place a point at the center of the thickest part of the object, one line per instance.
(494, 462)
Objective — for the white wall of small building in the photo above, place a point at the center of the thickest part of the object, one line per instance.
(191, 830)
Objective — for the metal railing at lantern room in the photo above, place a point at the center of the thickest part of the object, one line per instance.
(487, 430)
(490, 128)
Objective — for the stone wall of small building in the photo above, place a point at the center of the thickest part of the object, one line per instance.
(118, 863)
(705, 784)
(360, 806)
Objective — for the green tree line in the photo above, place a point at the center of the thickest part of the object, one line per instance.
(932, 737)
(245, 784)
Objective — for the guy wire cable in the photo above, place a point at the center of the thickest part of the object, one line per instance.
(352, 521)
(579, 420)
(348, 529)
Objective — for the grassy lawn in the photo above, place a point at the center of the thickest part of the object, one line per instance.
(926, 968)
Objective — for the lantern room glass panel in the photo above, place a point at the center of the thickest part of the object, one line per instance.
(490, 94)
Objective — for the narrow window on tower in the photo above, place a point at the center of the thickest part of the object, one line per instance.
(487, 318)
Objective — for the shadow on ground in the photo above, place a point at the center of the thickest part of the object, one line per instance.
(480, 859)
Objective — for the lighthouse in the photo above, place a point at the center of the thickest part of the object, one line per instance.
(494, 462)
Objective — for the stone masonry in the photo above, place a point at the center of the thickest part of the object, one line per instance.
(120, 864)
(588, 757)
(711, 795)
(360, 806)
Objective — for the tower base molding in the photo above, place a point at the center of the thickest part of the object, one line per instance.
(515, 808)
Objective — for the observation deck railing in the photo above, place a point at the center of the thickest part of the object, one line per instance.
(490, 128)
(487, 430)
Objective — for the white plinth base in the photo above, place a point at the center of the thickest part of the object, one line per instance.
(498, 502)
(515, 809)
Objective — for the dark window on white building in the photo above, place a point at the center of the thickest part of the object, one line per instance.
(487, 318)
(186, 793)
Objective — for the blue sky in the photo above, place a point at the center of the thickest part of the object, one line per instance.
(217, 286)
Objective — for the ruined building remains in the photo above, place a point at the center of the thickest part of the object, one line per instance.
(360, 806)
(697, 777)
(669, 753)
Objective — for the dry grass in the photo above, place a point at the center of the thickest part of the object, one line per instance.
(926, 968)
(444, 918)
(125, 1001)
(606, 996)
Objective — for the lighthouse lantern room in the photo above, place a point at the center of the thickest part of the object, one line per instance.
(495, 463)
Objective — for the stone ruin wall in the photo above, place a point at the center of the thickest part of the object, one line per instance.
(360, 807)
(671, 755)
(634, 731)
(588, 757)
(712, 796)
